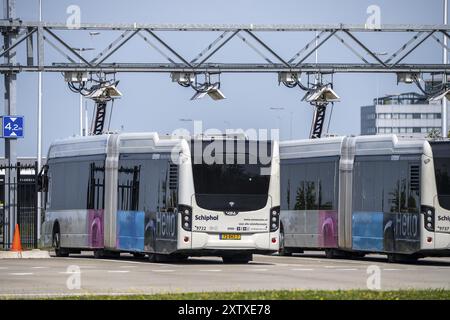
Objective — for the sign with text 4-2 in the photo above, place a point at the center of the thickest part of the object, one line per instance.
(12, 127)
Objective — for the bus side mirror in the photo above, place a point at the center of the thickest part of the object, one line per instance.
(42, 179)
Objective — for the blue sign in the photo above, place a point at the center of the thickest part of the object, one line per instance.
(12, 127)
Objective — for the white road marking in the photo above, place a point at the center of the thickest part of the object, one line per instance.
(21, 274)
(391, 269)
(258, 270)
(39, 267)
(127, 266)
(124, 261)
(65, 272)
(211, 270)
(347, 269)
(118, 271)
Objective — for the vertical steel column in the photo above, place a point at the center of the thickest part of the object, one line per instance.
(39, 123)
(10, 109)
(444, 78)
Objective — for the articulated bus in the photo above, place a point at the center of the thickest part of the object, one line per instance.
(368, 194)
(162, 196)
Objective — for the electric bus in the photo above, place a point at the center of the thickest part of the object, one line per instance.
(162, 196)
(368, 194)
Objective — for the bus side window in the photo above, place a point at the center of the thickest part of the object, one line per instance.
(96, 186)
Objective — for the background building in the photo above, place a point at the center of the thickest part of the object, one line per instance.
(408, 114)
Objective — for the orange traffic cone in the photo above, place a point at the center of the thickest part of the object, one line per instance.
(16, 245)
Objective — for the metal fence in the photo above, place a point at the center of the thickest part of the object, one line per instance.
(18, 204)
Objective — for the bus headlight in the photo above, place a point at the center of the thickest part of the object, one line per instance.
(275, 218)
(428, 214)
(186, 217)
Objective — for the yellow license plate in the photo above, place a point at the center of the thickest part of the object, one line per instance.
(230, 236)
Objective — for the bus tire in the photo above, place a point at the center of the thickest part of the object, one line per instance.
(99, 254)
(331, 253)
(237, 259)
(283, 251)
(138, 255)
(56, 238)
(402, 258)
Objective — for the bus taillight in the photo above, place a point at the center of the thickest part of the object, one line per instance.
(274, 218)
(428, 213)
(186, 217)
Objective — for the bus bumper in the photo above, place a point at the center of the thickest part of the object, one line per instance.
(251, 241)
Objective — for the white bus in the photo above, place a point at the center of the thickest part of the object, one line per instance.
(159, 196)
(367, 194)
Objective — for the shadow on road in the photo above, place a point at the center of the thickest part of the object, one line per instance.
(430, 261)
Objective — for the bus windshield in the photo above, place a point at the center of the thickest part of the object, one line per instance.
(441, 156)
(231, 186)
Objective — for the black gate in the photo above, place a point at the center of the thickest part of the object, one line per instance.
(18, 204)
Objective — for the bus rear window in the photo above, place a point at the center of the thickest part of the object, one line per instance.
(441, 156)
(231, 175)
(235, 186)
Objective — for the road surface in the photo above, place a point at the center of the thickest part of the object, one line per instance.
(83, 274)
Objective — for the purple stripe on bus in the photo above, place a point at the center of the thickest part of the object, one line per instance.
(95, 228)
(328, 232)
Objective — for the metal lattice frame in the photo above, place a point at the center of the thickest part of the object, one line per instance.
(347, 35)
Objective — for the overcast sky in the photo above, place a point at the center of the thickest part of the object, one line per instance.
(151, 102)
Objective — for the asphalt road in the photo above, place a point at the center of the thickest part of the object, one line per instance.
(126, 275)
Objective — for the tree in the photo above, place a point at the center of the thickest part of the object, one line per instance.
(433, 134)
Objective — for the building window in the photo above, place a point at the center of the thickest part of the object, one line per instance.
(416, 115)
(416, 130)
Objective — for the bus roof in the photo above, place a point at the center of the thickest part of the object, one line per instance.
(125, 142)
(362, 145)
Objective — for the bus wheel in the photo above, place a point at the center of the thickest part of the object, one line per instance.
(59, 252)
(138, 255)
(99, 254)
(283, 251)
(238, 259)
(331, 253)
(401, 258)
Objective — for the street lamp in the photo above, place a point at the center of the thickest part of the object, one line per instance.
(82, 130)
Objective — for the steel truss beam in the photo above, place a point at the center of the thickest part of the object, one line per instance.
(347, 35)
